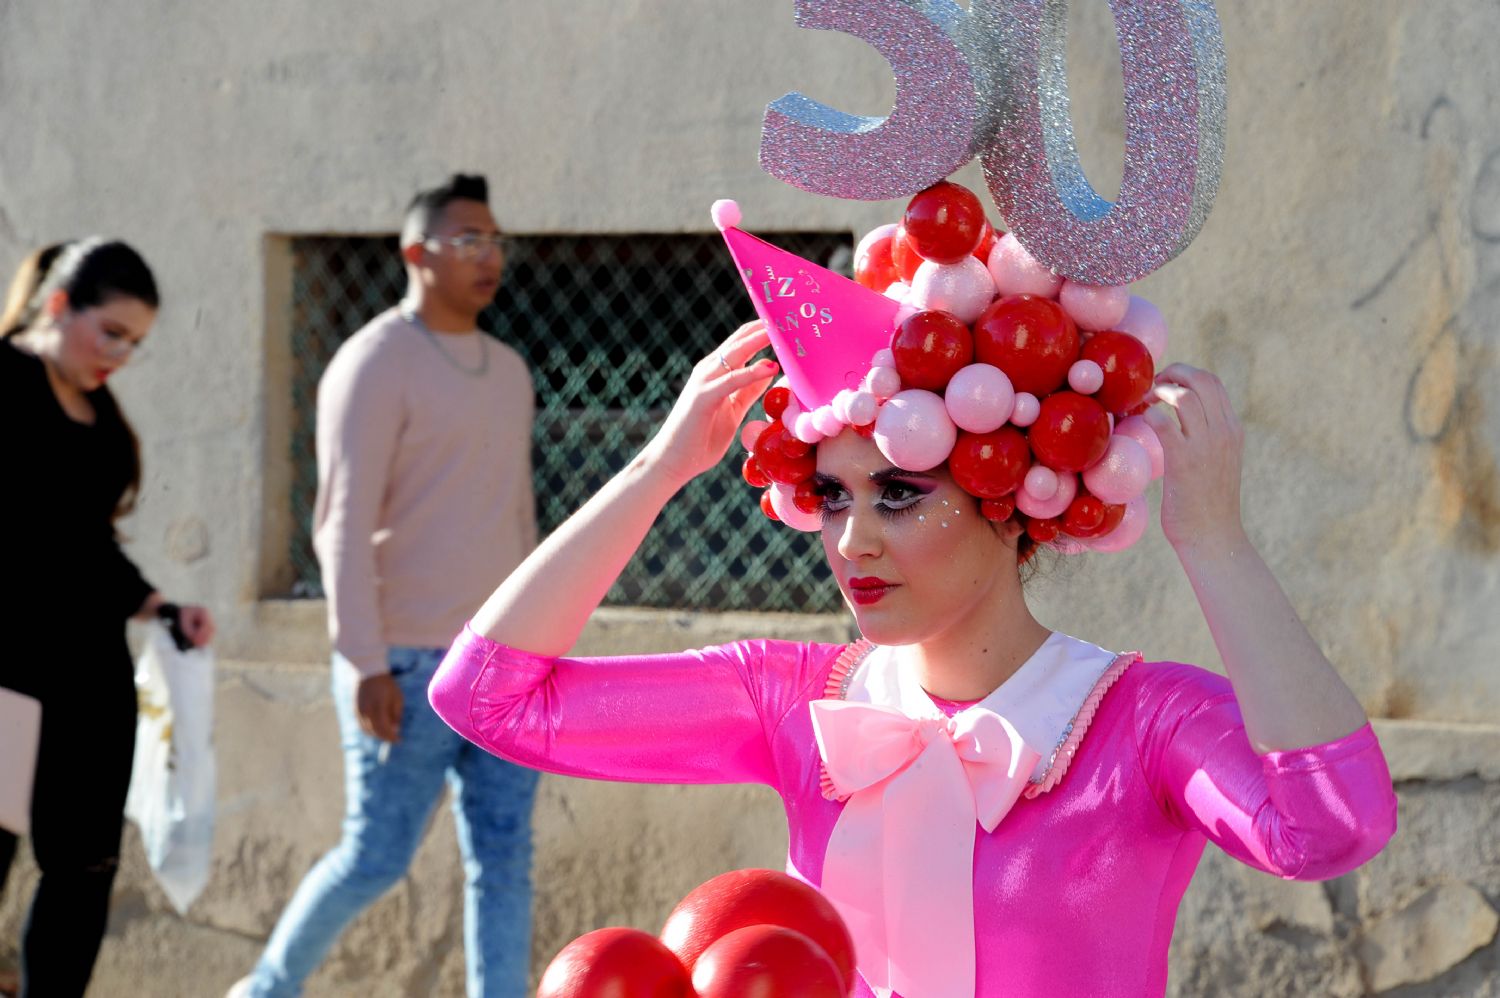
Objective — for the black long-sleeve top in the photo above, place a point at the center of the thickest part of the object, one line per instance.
(70, 582)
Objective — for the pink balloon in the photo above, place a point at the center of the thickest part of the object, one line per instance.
(1085, 377)
(1145, 322)
(882, 382)
(790, 413)
(1131, 529)
(781, 502)
(862, 409)
(1137, 429)
(1028, 407)
(1045, 509)
(1122, 473)
(963, 290)
(913, 430)
(826, 422)
(751, 432)
(884, 358)
(979, 398)
(899, 291)
(1041, 482)
(1093, 306)
(840, 405)
(1016, 272)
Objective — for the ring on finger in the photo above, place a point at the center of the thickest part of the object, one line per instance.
(724, 361)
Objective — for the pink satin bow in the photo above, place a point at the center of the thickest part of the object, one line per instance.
(900, 862)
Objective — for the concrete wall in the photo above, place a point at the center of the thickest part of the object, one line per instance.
(1347, 287)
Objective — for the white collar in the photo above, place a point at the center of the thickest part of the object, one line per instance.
(1040, 699)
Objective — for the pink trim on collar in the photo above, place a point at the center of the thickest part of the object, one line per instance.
(1062, 755)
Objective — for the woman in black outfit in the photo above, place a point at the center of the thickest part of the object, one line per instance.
(75, 314)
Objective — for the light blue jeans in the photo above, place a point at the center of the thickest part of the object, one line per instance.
(390, 792)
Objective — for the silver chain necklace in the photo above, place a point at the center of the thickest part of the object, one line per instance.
(410, 315)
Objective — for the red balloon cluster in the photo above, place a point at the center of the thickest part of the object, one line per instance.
(744, 933)
(1033, 339)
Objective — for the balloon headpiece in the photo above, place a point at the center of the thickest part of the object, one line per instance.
(1020, 358)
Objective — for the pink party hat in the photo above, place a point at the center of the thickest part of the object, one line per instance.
(824, 327)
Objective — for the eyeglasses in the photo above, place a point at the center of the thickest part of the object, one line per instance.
(470, 245)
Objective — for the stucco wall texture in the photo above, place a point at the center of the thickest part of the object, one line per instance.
(1346, 287)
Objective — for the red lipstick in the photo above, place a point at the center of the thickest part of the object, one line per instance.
(869, 589)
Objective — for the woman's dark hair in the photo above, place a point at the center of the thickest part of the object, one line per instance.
(90, 272)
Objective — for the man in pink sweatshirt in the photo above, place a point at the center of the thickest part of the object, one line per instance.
(424, 501)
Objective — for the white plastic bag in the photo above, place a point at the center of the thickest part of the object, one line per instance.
(173, 784)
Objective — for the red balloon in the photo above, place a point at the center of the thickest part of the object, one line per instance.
(1128, 371)
(1072, 432)
(751, 473)
(622, 963)
(990, 465)
(775, 400)
(1031, 339)
(904, 255)
(986, 243)
(998, 510)
(945, 222)
(782, 457)
(1113, 514)
(769, 961)
(806, 497)
(874, 268)
(1084, 517)
(766, 507)
(930, 348)
(1042, 531)
(743, 898)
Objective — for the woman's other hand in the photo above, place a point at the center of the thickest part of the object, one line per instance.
(1203, 443)
(197, 624)
(707, 415)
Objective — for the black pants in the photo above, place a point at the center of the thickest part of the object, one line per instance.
(77, 812)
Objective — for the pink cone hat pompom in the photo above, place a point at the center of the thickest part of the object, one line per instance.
(1145, 322)
(882, 382)
(787, 511)
(827, 422)
(884, 358)
(899, 291)
(1085, 377)
(1122, 473)
(979, 398)
(963, 290)
(1045, 509)
(1137, 429)
(1131, 529)
(726, 214)
(1015, 271)
(1027, 408)
(805, 430)
(1041, 482)
(751, 432)
(790, 413)
(913, 430)
(1094, 307)
(863, 408)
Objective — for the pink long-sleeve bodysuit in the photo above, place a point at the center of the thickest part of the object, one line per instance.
(1075, 892)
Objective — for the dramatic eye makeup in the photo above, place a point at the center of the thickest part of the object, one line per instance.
(897, 492)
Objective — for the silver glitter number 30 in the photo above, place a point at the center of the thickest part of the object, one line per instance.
(992, 82)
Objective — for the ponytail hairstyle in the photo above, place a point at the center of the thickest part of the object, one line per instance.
(90, 272)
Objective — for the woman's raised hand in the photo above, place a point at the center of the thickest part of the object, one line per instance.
(1203, 446)
(706, 417)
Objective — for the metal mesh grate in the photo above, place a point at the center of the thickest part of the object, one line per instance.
(610, 327)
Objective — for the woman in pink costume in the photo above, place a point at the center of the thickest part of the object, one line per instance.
(996, 809)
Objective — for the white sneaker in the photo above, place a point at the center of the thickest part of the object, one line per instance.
(239, 989)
